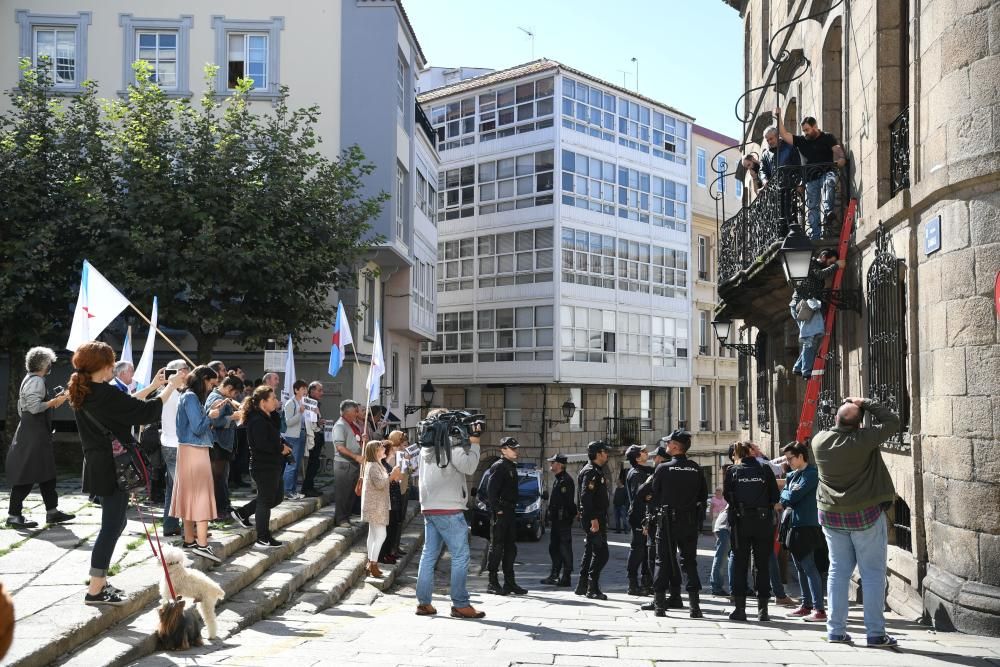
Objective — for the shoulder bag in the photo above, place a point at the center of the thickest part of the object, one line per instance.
(131, 464)
(360, 483)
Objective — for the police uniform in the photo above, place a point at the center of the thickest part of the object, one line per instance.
(751, 491)
(502, 492)
(594, 502)
(637, 553)
(650, 520)
(679, 496)
(561, 512)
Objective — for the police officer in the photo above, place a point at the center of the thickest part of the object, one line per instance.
(751, 491)
(659, 456)
(594, 503)
(679, 494)
(502, 492)
(561, 513)
(638, 473)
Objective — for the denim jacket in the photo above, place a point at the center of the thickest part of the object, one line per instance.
(800, 494)
(223, 426)
(193, 425)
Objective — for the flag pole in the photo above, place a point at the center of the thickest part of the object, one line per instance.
(162, 335)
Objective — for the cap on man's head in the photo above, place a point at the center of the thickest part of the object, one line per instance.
(597, 446)
(558, 458)
(681, 436)
(509, 443)
(661, 451)
(633, 452)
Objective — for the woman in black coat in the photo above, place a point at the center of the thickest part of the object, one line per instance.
(101, 408)
(32, 459)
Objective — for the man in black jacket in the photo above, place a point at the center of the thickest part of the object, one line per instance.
(502, 493)
(637, 553)
(561, 512)
(679, 495)
(594, 503)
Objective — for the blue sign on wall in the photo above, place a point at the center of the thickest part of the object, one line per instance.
(932, 235)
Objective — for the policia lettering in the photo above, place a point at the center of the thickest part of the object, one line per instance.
(502, 490)
(679, 496)
(561, 513)
(594, 503)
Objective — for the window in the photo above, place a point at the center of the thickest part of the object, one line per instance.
(703, 258)
(651, 199)
(682, 407)
(394, 379)
(613, 411)
(599, 260)
(474, 399)
(645, 410)
(250, 50)
(455, 339)
(738, 188)
(512, 409)
(515, 258)
(701, 167)
(422, 194)
(524, 333)
(576, 421)
(722, 408)
(732, 408)
(159, 49)
(456, 264)
(704, 413)
(704, 340)
(369, 307)
(514, 182)
(424, 289)
(608, 336)
(163, 43)
(58, 39)
(401, 70)
(515, 110)
(588, 183)
(457, 193)
(400, 203)
(588, 109)
(455, 123)
(411, 377)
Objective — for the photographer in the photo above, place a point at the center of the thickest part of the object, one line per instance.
(443, 501)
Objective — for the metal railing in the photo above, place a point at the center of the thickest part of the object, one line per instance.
(622, 431)
(899, 153)
(425, 124)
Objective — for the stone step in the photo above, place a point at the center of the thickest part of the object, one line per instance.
(40, 639)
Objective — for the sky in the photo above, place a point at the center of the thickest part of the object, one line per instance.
(690, 52)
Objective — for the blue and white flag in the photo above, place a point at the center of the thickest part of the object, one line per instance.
(98, 303)
(144, 371)
(127, 348)
(377, 368)
(339, 342)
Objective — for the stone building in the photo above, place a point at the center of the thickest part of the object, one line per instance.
(910, 89)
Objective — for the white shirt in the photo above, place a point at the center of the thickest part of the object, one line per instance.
(168, 430)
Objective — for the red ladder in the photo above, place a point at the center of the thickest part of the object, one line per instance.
(815, 382)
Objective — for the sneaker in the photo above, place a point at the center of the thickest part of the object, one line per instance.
(268, 543)
(839, 639)
(818, 616)
(240, 519)
(205, 552)
(801, 612)
(885, 641)
(105, 597)
(59, 517)
(188, 545)
(312, 493)
(784, 601)
(18, 521)
(114, 590)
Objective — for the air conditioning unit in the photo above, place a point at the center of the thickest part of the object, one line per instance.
(669, 146)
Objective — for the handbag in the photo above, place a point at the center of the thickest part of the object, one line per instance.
(785, 528)
(131, 464)
(359, 484)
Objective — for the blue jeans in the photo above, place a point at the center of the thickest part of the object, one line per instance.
(808, 348)
(867, 550)
(621, 517)
(451, 530)
(721, 555)
(170, 523)
(291, 476)
(810, 582)
(777, 588)
(824, 185)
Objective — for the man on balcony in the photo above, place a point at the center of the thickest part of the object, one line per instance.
(822, 158)
(807, 310)
(779, 165)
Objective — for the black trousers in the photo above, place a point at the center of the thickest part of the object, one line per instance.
(752, 533)
(312, 464)
(637, 555)
(675, 536)
(595, 551)
(392, 534)
(240, 464)
(503, 543)
(651, 547)
(20, 492)
(270, 492)
(561, 545)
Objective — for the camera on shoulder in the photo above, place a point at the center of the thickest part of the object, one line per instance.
(448, 429)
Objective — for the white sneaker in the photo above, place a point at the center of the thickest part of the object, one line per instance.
(205, 552)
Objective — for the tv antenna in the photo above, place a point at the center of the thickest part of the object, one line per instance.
(531, 36)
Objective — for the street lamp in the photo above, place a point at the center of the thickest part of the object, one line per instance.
(427, 392)
(722, 330)
(796, 255)
(568, 410)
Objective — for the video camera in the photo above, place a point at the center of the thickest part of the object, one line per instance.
(449, 429)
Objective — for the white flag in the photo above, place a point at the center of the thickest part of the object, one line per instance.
(127, 348)
(289, 370)
(98, 303)
(377, 368)
(144, 371)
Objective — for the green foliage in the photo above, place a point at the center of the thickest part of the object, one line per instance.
(225, 209)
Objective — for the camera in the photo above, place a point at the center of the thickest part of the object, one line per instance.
(449, 429)
(58, 390)
(169, 373)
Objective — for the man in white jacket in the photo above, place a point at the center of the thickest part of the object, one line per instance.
(443, 500)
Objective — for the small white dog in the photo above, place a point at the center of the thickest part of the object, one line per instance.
(193, 584)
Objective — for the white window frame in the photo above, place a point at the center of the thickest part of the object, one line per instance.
(401, 71)
(576, 396)
(682, 407)
(271, 28)
(512, 417)
(645, 410)
(131, 27)
(29, 23)
(701, 169)
(401, 203)
(738, 189)
(704, 407)
(703, 261)
(704, 342)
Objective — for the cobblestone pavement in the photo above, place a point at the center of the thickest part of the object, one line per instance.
(552, 626)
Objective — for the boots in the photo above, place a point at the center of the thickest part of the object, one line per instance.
(762, 610)
(594, 591)
(675, 601)
(646, 585)
(494, 586)
(740, 613)
(695, 602)
(564, 580)
(552, 579)
(510, 586)
(659, 604)
(633, 586)
(581, 586)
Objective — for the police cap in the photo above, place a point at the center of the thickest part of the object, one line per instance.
(634, 451)
(661, 451)
(558, 458)
(681, 436)
(595, 447)
(509, 443)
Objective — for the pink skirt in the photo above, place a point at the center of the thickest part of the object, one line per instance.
(194, 491)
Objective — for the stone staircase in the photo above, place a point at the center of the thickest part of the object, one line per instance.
(314, 568)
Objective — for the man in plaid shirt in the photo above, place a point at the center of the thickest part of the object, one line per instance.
(854, 491)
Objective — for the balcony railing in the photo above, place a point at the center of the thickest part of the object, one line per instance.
(899, 152)
(622, 431)
(747, 236)
(425, 124)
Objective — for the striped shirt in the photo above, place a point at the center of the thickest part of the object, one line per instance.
(860, 520)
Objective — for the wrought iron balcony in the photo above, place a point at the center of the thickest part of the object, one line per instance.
(899, 152)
